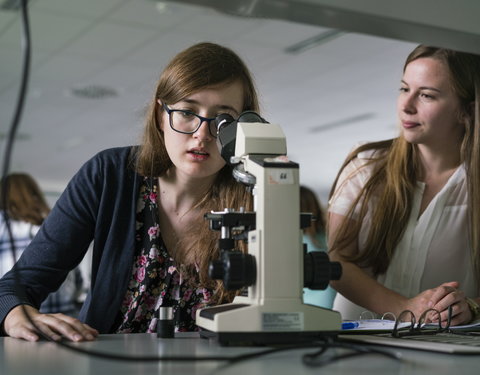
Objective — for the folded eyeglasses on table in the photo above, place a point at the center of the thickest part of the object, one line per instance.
(426, 336)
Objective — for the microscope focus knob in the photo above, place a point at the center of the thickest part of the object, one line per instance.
(215, 270)
(235, 269)
(335, 271)
(318, 270)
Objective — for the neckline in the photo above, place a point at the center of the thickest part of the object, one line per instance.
(452, 181)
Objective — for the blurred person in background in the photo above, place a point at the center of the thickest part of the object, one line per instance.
(27, 208)
(314, 237)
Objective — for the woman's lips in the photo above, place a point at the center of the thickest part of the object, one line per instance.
(197, 154)
(409, 124)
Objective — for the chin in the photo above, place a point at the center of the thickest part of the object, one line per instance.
(204, 173)
(412, 141)
(412, 138)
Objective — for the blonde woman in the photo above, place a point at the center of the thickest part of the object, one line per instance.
(404, 214)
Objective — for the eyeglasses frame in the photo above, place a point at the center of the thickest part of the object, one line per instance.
(202, 119)
(417, 328)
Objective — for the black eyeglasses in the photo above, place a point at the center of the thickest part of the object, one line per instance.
(420, 328)
(187, 122)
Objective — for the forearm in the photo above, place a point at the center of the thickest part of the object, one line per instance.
(355, 284)
(363, 290)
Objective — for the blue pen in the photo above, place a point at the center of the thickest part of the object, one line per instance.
(350, 325)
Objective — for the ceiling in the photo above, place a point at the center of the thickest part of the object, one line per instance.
(326, 98)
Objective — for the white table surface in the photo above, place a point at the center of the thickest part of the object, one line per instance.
(47, 358)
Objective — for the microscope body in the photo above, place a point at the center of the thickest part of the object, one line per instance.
(273, 310)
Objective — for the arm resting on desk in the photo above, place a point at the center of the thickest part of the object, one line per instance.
(55, 326)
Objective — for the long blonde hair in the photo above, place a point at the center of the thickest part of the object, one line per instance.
(396, 169)
(201, 66)
(25, 201)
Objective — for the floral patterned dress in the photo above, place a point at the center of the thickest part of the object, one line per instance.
(156, 279)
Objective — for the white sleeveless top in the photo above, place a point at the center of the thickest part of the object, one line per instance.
(434, 249)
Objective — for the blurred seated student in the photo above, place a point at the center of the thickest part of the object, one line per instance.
(314, 237)
(404, 217)
(143, 207)
(27, 209)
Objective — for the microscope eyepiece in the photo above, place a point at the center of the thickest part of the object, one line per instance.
(227, 131)
(251, 116)
(223, 120)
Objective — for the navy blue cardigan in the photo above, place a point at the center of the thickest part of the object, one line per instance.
(99, 203)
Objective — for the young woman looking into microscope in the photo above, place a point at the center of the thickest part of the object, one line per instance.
(143, 208)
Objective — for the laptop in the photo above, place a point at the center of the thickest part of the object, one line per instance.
(440, 342)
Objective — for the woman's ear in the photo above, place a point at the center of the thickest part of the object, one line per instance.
(467, 113)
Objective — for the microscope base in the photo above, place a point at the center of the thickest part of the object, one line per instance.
(266, 338)
(269, 324)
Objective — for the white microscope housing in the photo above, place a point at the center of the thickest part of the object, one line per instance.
(272, 311)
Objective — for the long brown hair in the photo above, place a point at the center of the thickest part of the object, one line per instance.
(25, 200)
(204, 65)
(396, 169)
(310, 203)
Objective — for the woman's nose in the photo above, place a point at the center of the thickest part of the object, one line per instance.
(408, 103)
(203, 131)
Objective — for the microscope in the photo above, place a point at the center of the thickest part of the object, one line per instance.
(277, 266)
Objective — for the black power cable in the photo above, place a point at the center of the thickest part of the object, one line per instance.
(313, 360)
(309, 359)
(26, 48)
